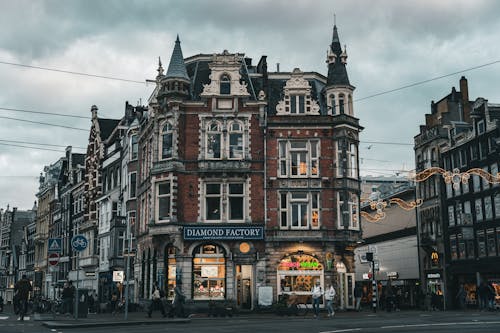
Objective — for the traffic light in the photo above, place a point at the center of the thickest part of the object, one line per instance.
(369, 256)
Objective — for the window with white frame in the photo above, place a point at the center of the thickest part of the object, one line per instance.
(479, 210)
(347, 165)
(214, 140)
(341, 104)
(299, 210)
(134, 147)
(225, 85)
(236, 140)
(132, 184)
(163, 201)
(451, 215)
(167, 135)
(121, 243)
(348, 214)
(225, 201)
(297, 104)
(299, 158)
(226, 141)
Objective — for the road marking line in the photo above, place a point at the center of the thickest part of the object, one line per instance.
(3, 318)
(443, 324)
(345, 330)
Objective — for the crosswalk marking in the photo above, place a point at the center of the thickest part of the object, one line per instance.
(3, 317)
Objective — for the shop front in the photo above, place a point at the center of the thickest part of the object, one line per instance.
(298, 273)
(219, 264)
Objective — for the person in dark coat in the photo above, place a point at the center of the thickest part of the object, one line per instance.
(22, 289)
(156, 301)
(178, 301)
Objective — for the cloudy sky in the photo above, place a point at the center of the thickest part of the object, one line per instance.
(390, 44)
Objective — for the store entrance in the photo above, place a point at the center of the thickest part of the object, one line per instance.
(244, 286)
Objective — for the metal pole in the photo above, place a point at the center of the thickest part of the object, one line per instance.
(127, 269)
(374, 285)
(77, 278)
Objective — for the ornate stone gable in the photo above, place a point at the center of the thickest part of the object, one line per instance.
(297, 100)
(225, 65)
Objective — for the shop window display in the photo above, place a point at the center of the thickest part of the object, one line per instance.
(209, 272)
(298, 273)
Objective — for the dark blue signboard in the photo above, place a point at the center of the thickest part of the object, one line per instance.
(79, 243)
(223, 232)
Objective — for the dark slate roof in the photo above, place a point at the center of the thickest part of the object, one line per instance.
(78, 159)
(177, 67)
(107, 126)
(199, 72)
(337, 73)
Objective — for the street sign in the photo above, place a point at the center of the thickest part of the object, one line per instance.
(117, 276)
(53, 258)
(79, 243)
(55, 245)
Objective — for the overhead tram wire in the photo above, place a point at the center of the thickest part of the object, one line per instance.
(46, 113)
(41, 144)
(72, 72)
(47, 124)
(426, 81)
(37, 148)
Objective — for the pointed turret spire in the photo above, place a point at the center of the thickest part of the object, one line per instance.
(160, 67)
(337, 60)
(177, 67)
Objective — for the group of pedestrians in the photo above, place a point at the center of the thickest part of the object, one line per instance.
(158, 298)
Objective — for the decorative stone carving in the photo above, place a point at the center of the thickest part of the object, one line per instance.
(228, 64)
(298, 86)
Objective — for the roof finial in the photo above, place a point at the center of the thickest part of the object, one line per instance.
(160, 67)
(177, 40)
(334, 19)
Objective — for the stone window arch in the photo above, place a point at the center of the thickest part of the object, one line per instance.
(209, 272)
(225, 84)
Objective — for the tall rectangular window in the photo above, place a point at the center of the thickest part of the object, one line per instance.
(453, 247)
(132, 184)
(299, 210)
(163, 198)
(490, 242)
(298, 158)
(488, 209)
(479, 210)
(481, 243)
(348, 214)
(134, 146)
(225, 202)
(451, 215)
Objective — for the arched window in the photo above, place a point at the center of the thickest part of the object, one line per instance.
(214, 136)
(341, 103)
(349, 105)
(297, 273)
(171, 270)
(236, 140)
(225, 84)
(167, 141)
(209, 272)
(334, 106)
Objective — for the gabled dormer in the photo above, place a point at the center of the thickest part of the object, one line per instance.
(297, 98)
(225, 85)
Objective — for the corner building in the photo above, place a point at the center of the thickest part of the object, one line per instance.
(248, 184)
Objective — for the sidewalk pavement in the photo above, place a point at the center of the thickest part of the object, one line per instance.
(94, 320)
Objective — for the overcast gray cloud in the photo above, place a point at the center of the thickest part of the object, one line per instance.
(390, 44)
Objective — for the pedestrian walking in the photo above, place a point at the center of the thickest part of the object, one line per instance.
(461, 295)
(22, 289)
(329, 298)
(483, 293)
(178, 301)
(358, 294)
(316, 293)
(67, 298)
(156, 301)
(114, 303)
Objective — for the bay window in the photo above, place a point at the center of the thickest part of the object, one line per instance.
(348, 214)
(299, 210)
(299, 158)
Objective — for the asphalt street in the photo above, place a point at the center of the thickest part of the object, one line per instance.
(442, 322)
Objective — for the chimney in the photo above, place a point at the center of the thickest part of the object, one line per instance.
(278, 67)
(464, 90)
